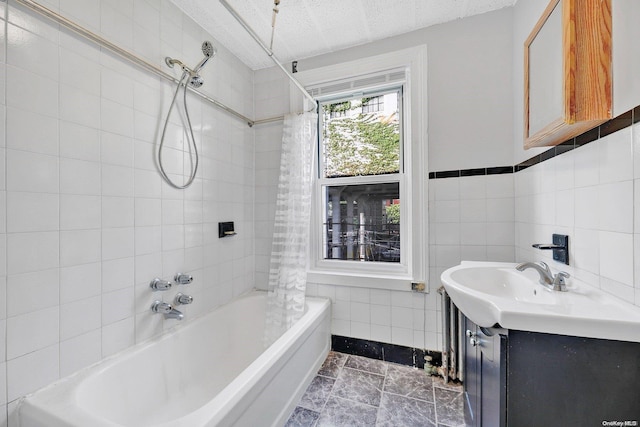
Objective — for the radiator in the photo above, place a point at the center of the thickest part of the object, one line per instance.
(452, 357)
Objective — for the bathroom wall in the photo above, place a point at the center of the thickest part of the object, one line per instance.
(591, 193)
(471, 218)
(85, 219)
(469, 87)
(469, 91)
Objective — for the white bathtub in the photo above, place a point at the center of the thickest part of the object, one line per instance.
(211, 372)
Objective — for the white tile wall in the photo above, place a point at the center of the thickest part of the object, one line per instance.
(472, 219)
(397, 317)
(596, 204)
(85, 219)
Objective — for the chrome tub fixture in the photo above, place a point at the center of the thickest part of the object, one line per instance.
(183, 279)
(167, 310)
(158, 284)
(182, 299)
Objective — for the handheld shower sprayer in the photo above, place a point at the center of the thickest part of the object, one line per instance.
(190, 76)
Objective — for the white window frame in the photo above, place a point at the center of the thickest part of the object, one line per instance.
(413, 180)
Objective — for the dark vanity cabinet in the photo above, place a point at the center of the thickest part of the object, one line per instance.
(484, 376)
(523, 379)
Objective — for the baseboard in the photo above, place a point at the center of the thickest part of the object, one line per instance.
(383, 351)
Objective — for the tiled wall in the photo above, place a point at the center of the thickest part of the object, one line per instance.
(586, 188)
(591, 193)
(389, 316)
(85, 219)
(471, 218)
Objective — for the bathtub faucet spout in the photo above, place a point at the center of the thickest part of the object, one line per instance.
(166, 309)
(174, 314)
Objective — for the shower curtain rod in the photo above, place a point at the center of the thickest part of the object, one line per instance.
(123, 53)
(275, 60)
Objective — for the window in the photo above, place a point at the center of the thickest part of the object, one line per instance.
(372, 105)
(362, 222)
(339, 109)
(381, 238)
(360, 158)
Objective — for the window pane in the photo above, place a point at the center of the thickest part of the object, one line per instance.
(362, 136)
(362, 222)
(372, 105)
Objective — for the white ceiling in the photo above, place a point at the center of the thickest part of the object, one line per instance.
(306, 28)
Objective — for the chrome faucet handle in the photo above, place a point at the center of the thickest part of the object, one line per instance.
(158, 284)
(161, 307)
(545, 266)
(182, 299)
(559, 282)
(183, 279)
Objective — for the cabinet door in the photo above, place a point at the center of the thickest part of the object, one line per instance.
(558, 380)
(472, 375)
(568, 79)
(492, 377)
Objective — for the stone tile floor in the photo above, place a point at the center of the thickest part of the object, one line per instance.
(353, 391)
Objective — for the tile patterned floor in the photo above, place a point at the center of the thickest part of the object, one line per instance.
(353, 391)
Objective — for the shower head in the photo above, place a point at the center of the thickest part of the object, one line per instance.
(209, 51)
(196, 81)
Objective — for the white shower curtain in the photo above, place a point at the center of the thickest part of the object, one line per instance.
(288, 267)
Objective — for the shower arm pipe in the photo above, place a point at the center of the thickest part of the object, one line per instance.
(269, 52)
(123, 53)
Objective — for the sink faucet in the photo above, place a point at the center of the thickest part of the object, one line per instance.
(166, 309)
(557, 282)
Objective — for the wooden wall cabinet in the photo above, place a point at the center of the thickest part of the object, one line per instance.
(567, 82)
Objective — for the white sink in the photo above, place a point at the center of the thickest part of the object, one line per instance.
(491, 293)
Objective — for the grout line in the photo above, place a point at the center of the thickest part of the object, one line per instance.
(435, 403)
(326, 376)
(355, 401)
(366, 372)
(409, 397)
(384, 383)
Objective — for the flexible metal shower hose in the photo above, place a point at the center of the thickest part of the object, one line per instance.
(184, 81)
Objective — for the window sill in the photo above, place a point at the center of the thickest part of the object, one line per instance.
(373, 281)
